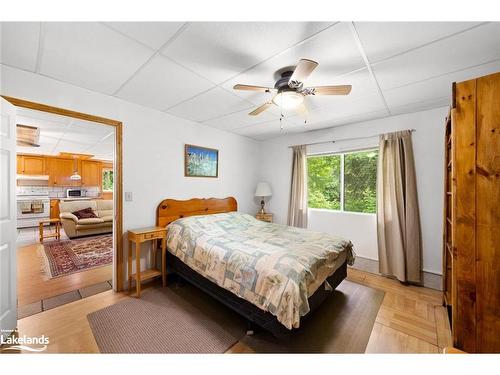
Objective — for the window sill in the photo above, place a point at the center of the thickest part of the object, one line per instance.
(342, 212)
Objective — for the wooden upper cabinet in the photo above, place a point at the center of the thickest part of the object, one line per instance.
(91, 173)
(20, 164)
(31, 165)
(60, 171)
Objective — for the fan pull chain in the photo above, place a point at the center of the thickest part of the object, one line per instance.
(281, 117)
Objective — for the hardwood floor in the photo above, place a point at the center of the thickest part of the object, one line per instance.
(411, 320)
(32, 287)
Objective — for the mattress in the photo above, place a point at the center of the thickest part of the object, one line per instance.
(272, 266)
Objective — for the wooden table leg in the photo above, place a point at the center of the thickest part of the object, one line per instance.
(129, 266)
(164, 261)
(154, 245)
(138, 268)
(40, 231)
(58, 230)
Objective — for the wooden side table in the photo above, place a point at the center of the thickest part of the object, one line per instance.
(56, 234)
(264, 217)
(139, 236)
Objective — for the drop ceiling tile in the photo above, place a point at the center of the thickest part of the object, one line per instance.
(45, 148)
(421, 106)
(100, 149)
(162, 83)
(35, 116)
(335, 113)
(433, 92)
(71, 146)
(220, 50)
(350, 119)
(363, 85)
(19, 41)
(381, 40)
(90, 55)
(214, 103)
(334, 49)
(265, 130)
(152, 34)
(241, 119)
(474, 47)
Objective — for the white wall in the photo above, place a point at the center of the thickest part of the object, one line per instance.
(276, 161)
(153, 147)
(153, 160)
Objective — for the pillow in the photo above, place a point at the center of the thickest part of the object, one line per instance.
(85, 213)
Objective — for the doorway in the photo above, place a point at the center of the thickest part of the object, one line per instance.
(64, 259)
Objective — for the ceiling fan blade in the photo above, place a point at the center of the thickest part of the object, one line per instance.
(252, 88)
(303, 70)
(261, 109)
(328, 90)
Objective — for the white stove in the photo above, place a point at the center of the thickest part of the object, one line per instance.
(33, 205)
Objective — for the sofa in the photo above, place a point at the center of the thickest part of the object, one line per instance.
(74, 227)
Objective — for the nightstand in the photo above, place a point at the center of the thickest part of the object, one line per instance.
(139, 236)
(264, 217)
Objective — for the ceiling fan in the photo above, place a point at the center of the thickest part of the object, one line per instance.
(289, 91)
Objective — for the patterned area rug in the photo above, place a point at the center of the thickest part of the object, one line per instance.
(61, 258)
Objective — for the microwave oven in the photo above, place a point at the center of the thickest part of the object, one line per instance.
(75, 193)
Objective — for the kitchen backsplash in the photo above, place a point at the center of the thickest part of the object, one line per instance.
(60, 191)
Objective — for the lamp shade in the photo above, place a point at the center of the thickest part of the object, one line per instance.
(263, 190)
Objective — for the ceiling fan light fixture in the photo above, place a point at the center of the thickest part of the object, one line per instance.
(288, 99)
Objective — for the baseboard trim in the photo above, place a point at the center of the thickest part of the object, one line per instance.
(431, 280)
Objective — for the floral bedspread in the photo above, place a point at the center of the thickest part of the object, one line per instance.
(273, 266)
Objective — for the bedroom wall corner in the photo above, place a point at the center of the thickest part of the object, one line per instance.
(275, 161)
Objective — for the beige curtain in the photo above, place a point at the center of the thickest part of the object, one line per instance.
(398, 219)
(297, 209)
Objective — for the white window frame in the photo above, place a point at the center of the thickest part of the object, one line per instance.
(342, 155)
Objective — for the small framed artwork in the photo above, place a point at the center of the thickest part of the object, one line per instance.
(200, 161)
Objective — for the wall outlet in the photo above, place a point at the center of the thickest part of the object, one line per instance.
(128, 196)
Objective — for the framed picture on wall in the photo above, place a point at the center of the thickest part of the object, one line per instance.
(200, 161)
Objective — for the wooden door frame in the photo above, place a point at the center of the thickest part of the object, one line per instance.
(117, 194)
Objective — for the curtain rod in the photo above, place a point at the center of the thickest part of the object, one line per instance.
(344, 139)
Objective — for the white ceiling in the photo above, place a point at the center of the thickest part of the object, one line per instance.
(188, 69)
(66, 134)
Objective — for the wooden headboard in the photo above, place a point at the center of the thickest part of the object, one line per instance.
(171, 209)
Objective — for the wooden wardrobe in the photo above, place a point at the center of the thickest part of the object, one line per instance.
(471, 251)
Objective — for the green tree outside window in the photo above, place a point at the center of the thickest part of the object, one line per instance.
(358, 193)
(107, 180)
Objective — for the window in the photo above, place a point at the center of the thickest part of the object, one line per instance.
(107, 180)
(323, 182)
(344, 182)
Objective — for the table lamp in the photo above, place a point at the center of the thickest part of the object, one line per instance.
(263, 190)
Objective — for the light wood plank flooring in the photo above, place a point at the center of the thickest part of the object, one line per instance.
(32, 287)
(411, 320)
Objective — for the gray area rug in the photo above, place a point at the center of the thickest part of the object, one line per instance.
(186, 320)
(163, 321)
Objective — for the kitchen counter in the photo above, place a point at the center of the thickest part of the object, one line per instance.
(77, 199)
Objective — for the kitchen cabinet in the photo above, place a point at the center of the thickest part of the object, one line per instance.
(60, 171)
(31, 165)
(54, 209)
(91, 173)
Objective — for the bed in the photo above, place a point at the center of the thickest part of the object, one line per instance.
(273, 275)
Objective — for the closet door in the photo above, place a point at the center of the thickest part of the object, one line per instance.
(488, 214)
(464, 269)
